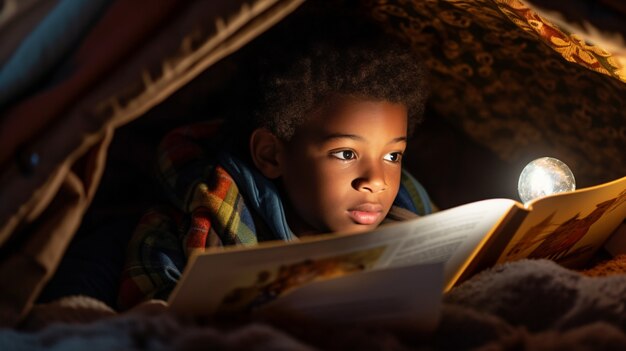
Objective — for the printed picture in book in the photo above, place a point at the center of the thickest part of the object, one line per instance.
(560, 239)
(272, 283)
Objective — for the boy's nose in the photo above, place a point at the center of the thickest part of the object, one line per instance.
(372, 180)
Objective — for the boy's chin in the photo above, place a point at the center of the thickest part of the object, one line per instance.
(355, 228)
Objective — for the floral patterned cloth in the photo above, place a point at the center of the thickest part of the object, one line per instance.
(517, 83)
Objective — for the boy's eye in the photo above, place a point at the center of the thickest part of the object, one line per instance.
(344, 155)
(393, 156)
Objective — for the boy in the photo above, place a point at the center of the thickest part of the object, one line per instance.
(324, 155)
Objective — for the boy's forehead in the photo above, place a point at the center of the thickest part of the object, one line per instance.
(357, 118)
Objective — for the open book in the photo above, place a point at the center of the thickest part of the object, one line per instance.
(398, 271)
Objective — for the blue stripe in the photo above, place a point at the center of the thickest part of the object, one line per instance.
(428, 209)
(45, 47)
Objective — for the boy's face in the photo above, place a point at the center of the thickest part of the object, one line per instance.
(341, 170)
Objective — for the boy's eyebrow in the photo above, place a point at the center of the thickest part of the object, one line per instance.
(358, 138)
(397, 140)
(343, 136)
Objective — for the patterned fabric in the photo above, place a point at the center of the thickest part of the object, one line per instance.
(571, 46)
(517, 83)
(217, 201)
(196, 185)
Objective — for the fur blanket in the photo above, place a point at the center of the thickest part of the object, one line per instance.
(525, 305)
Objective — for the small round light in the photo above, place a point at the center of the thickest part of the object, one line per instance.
(544, 176)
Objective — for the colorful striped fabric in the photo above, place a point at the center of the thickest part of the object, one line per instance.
(209, 209)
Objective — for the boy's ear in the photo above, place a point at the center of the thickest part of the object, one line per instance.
(265, 149)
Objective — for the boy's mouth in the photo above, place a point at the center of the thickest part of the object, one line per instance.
(366, 214)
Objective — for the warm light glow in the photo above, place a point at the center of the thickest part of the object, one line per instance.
(544, 176)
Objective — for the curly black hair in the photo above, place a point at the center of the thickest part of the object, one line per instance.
(375, 69)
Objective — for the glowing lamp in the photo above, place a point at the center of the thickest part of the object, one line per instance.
(544, 176)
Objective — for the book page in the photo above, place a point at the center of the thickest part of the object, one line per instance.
(569, 227)
(451, 237)
(396, 295)
(247, 279)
